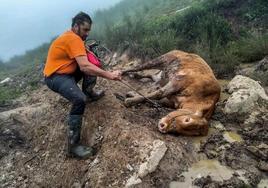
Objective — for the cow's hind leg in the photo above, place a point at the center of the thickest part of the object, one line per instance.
(165, 91)
(157, 63)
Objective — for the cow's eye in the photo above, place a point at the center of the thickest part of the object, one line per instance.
(187, 120)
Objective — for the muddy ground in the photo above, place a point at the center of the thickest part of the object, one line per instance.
(33, 144)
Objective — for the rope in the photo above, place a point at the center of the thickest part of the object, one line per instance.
(155, 104)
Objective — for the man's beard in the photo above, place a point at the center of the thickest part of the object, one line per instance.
(84, 38)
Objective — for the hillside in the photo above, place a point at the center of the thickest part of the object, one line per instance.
(224, 33)
(131, 151)
(231, 35)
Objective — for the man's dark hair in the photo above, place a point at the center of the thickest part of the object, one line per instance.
(80, 18)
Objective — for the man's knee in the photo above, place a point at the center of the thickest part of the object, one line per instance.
(80, 100)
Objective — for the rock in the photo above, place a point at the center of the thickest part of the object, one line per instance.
(157, 153)
(151, 162)
(5, 80)
(241, 101)
(134, 180)
(202, 181)
(256, 71)
(76, 185)
(242, 82)
(260, 153)
(245, 94)
(217, 125)
(95, 162)
(129, 167)
(19, 118)
(263, 183)
(262, 65)
(22, 114)
(252, 118)
(211, 154)
(263, 166)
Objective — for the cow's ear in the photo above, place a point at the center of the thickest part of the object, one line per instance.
(198, 113)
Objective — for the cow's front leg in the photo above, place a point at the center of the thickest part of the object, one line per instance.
(165, 91)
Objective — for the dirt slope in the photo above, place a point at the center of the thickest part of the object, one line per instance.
(33, 143)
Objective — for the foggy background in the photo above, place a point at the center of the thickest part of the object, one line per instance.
(26, 24)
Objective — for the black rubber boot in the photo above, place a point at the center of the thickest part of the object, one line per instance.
(74, 148)
(87, 87)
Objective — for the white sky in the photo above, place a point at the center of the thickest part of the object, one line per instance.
(25, 24)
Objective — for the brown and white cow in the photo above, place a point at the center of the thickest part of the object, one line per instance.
(189, 85)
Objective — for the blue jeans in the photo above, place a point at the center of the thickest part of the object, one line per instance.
(66, 86)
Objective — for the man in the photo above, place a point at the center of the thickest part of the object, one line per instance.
(66, 64)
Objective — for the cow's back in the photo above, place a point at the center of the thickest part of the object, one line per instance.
(200, 87)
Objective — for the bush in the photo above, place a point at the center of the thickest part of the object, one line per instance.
(251, 49)
(8, 93)
(222, 61)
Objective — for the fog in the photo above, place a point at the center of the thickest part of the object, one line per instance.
(26, 24)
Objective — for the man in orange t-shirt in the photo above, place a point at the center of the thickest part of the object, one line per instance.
(66, 64)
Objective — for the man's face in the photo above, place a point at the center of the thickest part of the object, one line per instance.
(82, 30)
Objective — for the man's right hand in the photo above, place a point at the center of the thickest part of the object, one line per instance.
(115, 75)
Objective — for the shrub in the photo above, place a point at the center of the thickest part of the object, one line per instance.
(251, 49)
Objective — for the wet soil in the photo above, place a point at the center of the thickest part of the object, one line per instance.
(32, 152)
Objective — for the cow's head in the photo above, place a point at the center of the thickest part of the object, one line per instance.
(181, 119)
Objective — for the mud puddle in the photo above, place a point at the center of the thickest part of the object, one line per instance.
(263, 184)
(231, 137)
(198, 140)
(205, 168)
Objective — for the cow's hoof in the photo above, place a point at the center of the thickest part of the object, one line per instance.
(130, 94)
(128, 102)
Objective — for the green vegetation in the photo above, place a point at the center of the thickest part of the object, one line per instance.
(7, 93)
(223, 32)
(22, 63)
(25, 71)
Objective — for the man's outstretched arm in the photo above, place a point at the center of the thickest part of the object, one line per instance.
(90, 69)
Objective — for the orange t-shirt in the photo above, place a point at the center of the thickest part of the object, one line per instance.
(62, 53)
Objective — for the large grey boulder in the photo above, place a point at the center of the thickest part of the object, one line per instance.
(257, 71)
(151, 163)
(245, 94)
(24, 114)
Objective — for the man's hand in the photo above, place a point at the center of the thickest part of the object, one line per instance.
(115, 75)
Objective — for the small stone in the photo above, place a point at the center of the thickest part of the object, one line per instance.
(212, 154)
(95, 162)
(217, 125)
(36, 149)
(135, 144)
(20, 178)
(262, 146)
(236, 174)
(181, 178)
(129, 167)
(263, 166)
(132, 181)
(76, 185)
